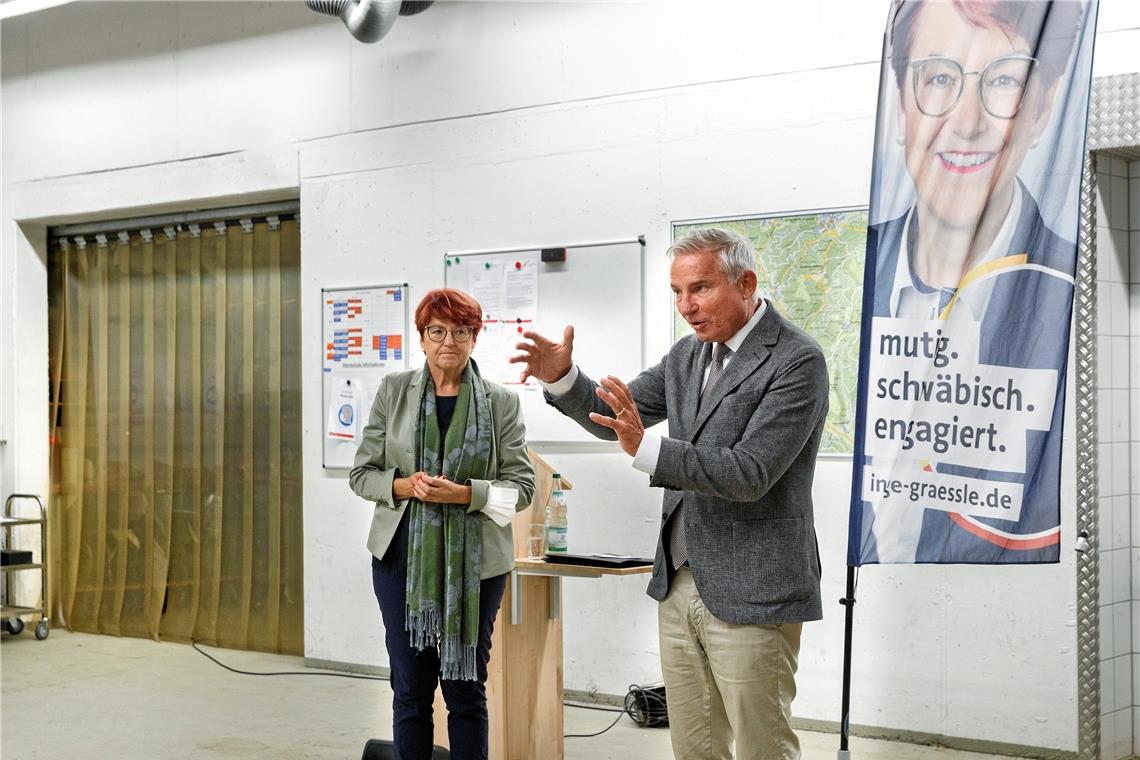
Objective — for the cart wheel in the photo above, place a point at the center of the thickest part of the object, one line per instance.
(14, 625)
(42, 630)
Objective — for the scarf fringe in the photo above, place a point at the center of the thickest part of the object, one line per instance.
(423, 627)
(456, 661)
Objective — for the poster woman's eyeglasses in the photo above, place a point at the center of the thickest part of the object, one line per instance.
(938, 84)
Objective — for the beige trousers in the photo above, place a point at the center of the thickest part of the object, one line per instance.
(725, 681)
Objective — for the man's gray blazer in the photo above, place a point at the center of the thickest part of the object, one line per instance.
(743, 464)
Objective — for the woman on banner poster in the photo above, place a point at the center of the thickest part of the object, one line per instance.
(974, 220)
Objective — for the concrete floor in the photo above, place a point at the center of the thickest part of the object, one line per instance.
(105, 698)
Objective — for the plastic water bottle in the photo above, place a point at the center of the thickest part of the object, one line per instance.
(556, 519)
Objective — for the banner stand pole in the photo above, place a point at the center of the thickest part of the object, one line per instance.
(847, 601)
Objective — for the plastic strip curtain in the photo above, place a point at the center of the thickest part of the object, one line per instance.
(175, 367)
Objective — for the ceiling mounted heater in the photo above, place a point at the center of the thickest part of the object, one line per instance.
(368, 20)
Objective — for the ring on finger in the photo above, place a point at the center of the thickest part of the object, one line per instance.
(620, 412)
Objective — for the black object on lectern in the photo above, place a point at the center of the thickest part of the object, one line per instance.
(598, 560)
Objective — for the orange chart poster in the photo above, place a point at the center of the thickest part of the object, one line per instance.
(365, 328)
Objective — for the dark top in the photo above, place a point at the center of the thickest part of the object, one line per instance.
(444, 410)
(395, 559)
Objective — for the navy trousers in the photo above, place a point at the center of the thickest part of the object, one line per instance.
(415, 675)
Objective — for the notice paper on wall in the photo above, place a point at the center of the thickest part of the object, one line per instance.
(364, 337)
(344, 410)
(364, 328)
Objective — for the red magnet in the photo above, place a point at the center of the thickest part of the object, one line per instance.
(518, 265)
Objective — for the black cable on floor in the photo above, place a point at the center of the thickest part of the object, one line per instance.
(599, 708)
(599, 733)
(645, 706)
(216, 661)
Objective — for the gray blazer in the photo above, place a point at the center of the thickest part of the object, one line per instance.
(743, 464)
(387, 451)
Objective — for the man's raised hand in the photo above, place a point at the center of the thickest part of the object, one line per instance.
(543, 358)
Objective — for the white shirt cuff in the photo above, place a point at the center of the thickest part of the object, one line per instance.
(563, 385)
(500, 505)
(647, 453)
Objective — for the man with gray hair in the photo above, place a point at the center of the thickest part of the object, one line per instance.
(737, 566)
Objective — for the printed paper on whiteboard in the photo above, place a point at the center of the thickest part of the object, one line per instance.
(485, 285)
(520, 283)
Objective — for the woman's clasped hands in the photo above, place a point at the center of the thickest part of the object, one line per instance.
(436, 489)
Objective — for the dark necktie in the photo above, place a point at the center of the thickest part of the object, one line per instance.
(678, 549)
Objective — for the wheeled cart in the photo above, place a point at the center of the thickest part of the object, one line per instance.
(10, 612)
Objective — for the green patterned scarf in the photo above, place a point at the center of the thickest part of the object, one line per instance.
(445, 543)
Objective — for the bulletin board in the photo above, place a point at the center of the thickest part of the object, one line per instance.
(364, 336)
(596, 287)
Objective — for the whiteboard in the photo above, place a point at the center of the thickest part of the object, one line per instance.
(597, 289)
(364, 336)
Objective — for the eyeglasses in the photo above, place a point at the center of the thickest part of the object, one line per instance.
(938, 84)
(436, 334)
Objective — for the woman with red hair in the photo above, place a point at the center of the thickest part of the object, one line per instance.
(442, 445)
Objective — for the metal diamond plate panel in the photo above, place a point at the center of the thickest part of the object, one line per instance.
(1113, 129)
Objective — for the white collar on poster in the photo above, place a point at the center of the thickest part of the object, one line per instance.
(908, 302)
